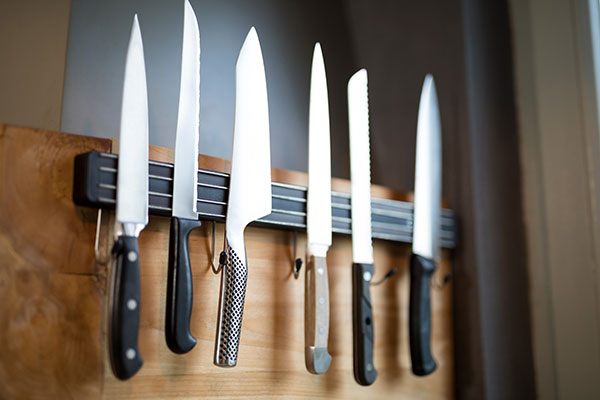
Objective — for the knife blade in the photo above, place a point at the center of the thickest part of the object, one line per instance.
(249, 192)
(132, 213)
(426, 227)
(185, 192)
(363, 268)
(318, 221)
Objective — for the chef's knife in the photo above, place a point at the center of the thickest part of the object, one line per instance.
(318, 222)
(185, 192)
(132, 213)
(362, 248)
(426, 228)
(249, 192)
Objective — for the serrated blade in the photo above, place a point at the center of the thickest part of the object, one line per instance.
(318, 215)
(428, 175)
(185, 181)
(250, 182)
(360, 168)
(132, 179)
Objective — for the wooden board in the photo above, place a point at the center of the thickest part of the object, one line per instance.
(52, 299)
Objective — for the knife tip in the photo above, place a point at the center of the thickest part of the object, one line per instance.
(251, 47)
(359, 78)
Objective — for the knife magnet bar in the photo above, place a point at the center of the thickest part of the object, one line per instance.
(95, 181)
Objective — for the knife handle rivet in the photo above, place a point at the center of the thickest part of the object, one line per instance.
(369, 367)
(320, 271)
(321, 330)
(130, 354)
(132, 304)
(321, 300)
(132, 256)
(367, 276)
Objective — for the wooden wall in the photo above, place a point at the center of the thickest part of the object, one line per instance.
(53, 292)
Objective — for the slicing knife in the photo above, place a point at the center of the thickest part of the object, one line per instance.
(131, 214)
(185, 192)
(249, 192)
(426, 227)
(363, 268)
(318, 221)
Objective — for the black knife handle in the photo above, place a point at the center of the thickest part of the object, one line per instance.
(125, 314)
(179, 287)
(362, 322)
(234, 276)
(421, 270)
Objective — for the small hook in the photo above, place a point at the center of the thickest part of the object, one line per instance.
(387, 276)
(440, 285)
(222, 256)
(297, 264)
(102, 243)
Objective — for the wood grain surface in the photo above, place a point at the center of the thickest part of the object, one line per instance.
(52, 298)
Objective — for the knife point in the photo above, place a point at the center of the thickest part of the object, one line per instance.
(252, 34)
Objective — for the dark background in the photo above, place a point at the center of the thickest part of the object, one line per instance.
(466, 44)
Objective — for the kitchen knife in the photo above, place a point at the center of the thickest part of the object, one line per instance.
(426, 228)
(185, 192)
(318, 222)
(132, 213)
(362, 248)
(249, 192)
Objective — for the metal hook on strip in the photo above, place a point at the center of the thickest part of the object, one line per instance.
(297, 264)
(387, 276)
(440, 285)
(102, 241)
(222, 256)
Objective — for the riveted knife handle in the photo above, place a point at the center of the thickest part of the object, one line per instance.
(421, 270)
(179, 287)
(231, 309)
(125, 313)
(364, 369)
(316, 316)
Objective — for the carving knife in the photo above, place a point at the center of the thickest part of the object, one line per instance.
(426, 227)
(185, 192)
(249, 192)
(363, 268)
(318, 221)
(132, 213)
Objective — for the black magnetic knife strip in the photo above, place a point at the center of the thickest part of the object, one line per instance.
(96, 179)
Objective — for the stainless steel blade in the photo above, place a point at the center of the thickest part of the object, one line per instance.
(428, 175)
(360, 168)
(250, 182)
(185, 181)
(132, 179)
(318, 214)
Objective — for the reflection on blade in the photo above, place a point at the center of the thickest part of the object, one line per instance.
(428, 175)
(250, 185)
(360, 168)
(132, 179)
(318, 216)
(185, 192)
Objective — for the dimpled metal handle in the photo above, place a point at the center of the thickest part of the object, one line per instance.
(231, 309)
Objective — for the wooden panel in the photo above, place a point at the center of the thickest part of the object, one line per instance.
(50, 293)
(271, 357)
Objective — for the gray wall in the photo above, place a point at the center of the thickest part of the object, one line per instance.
(33, 44)
(98, 38)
